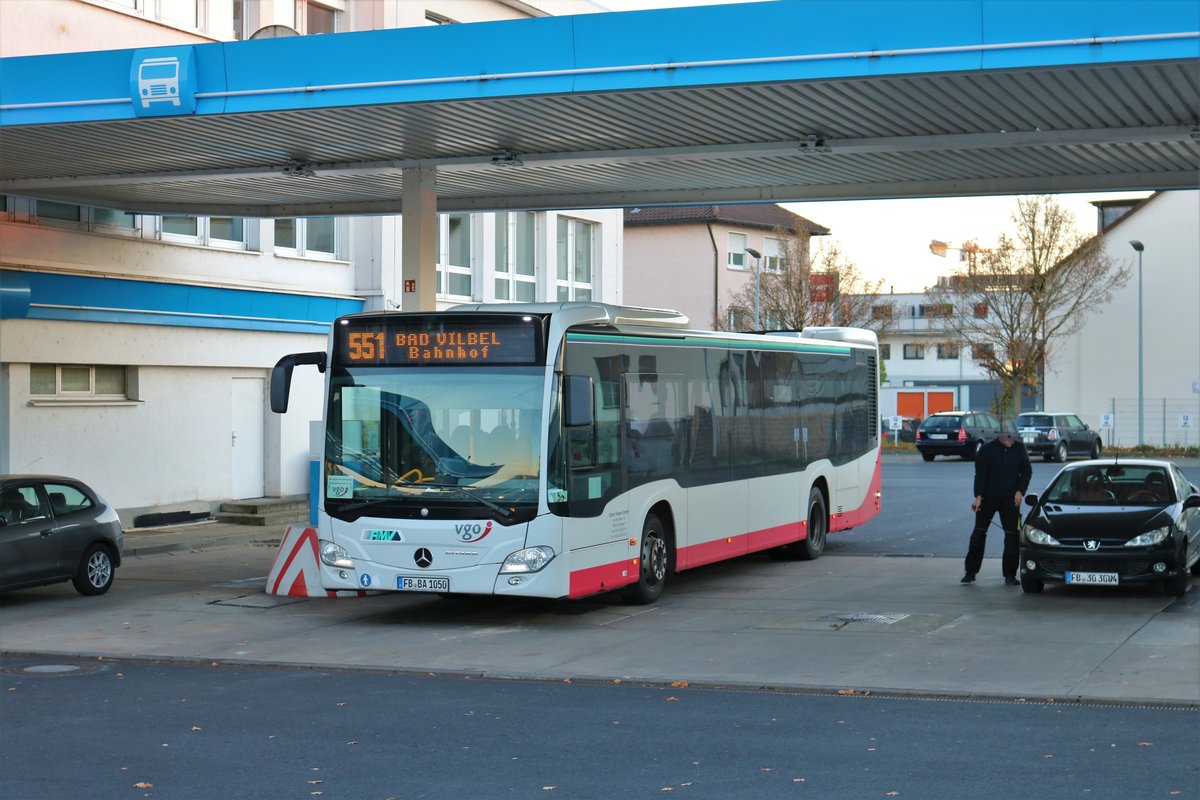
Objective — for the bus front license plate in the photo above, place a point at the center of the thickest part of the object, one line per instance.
(1096, 578)
(422, 584)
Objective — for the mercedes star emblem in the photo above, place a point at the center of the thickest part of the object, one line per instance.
(423, 557)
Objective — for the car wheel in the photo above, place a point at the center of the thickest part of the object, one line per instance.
(1176, 585)
(654, 564)
(1031, 584)
(1096, 447)
(927, 456)
(95, 572)
(1060, 452)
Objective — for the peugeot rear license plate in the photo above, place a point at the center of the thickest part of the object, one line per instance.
(422, 584)
(1101, 578)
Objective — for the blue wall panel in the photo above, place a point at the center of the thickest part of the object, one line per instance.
(89, 299)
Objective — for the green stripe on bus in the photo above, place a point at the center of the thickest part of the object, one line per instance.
(698, 342)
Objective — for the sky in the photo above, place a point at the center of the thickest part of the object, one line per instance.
(889, 240)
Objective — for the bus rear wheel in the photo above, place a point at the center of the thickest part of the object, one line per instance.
(818, 526)
(653, 565)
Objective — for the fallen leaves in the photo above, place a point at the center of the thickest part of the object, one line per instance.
(680, 684)
(143, 785)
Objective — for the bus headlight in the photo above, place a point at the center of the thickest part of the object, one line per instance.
(1039, 536)
(335, 555)
(531, 559)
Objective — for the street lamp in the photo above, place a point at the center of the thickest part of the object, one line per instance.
(757, 286)
(1139, 247)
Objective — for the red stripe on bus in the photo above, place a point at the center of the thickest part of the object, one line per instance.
(870, 504)
(603, 578)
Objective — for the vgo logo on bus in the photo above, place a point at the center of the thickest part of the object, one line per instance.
(471, 531)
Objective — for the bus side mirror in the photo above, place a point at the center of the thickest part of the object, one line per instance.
(281, 377)
(577, 401)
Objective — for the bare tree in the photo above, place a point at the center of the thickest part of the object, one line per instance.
(1017, 299)
(805, 289)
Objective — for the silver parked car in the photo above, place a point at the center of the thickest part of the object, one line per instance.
(55, 529)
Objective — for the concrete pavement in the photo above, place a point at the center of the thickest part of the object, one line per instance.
(843, 623)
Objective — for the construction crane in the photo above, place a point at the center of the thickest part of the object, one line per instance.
(967, 251)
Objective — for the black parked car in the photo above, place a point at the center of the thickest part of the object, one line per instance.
(1056, 437)
(55, 529)
(1113, 522)
(957, 433)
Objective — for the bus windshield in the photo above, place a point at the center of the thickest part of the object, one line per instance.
(448, 442)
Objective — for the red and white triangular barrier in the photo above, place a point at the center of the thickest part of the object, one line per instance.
(296, 571)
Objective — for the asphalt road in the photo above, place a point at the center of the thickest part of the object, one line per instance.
(927, 508)
(134, 729)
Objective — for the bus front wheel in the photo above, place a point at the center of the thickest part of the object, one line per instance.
(653, 564)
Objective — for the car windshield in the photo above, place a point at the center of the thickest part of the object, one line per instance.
(942, 422)
(1035, 421)
(1112, 484)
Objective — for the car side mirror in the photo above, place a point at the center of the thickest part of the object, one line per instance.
(1192, 501)
(1031, 499)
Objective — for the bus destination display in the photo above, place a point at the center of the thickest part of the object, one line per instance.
(438, 341)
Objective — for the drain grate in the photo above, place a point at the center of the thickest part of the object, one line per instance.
(861, 616)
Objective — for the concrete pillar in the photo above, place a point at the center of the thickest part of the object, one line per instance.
(418, 249)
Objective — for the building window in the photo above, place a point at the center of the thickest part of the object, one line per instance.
(914, 352)
(307, 237)
(78, 382)
(885, 351)
(981, 311)
(516, 273)
(981, 352)
(577, 259)
(239, 20)
(320, 19)
(740, 319)
(935, 310)
(737, 250)
(227, 232)
(883, 311)
(456, 256)
(947, 351)
(772, 260)
(48, 210)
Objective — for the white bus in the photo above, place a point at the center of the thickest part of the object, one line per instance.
(563, 450)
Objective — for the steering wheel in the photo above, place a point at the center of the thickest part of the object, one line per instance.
(1143, 495)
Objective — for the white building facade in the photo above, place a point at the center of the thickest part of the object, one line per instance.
(135, 350)
(927, 369)
(1095, 372)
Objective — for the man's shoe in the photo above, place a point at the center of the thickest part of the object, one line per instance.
(1012, 581)
(968, 578)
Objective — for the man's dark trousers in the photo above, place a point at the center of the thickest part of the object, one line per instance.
(1009, 515)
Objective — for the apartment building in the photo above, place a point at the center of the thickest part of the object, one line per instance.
(135, 349)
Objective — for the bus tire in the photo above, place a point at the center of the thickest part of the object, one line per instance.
(818, 527)
(653, 565)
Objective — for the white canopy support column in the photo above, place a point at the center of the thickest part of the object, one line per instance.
(418, 251)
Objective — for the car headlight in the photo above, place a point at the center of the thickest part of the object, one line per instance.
(1039, 536)
(335, 555)
(1149, 537)
(531, 559)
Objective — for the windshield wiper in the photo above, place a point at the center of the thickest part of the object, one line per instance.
(353, 511)
(499, 509)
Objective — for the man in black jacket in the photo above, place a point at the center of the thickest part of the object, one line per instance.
(1002, 474)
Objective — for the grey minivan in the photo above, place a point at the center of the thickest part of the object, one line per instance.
(55, 529)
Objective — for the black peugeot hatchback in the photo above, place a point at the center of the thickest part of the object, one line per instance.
(1111, 522)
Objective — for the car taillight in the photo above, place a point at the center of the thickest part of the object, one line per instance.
(962, 434)
(920, 433)
(1053, 434)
